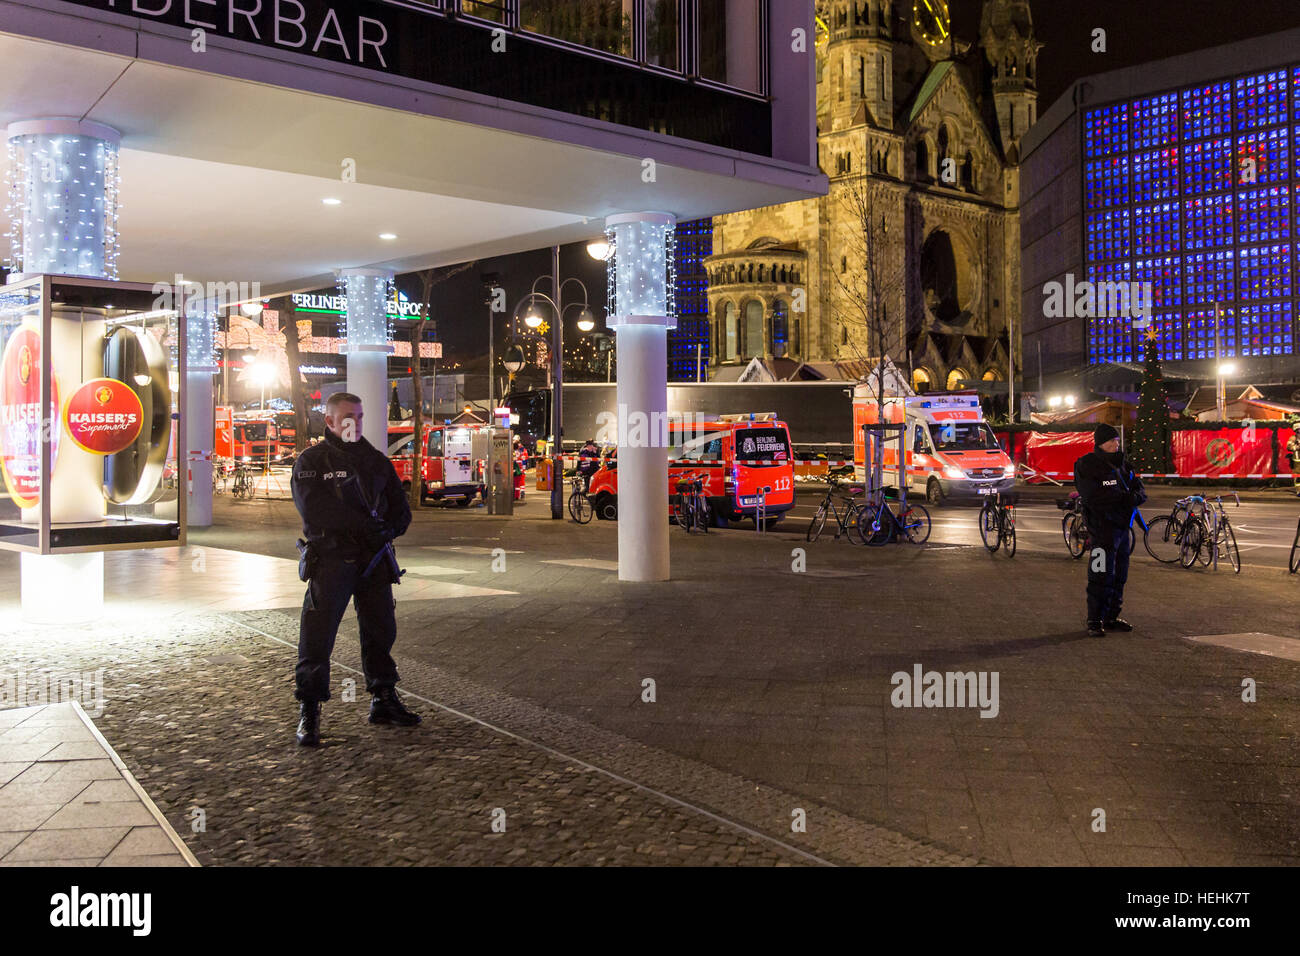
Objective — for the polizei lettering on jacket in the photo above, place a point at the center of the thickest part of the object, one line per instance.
(308, 26)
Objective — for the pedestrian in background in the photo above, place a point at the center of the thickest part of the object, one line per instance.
(1111, 492)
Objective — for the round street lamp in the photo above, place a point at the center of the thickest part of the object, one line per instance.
(513, 360)
(586, 321)
(251, 309)
(600, 249)
(533, 318)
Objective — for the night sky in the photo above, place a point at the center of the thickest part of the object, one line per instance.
(1137, 31)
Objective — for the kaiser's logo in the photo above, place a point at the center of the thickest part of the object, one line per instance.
(104, 416)
(20, 416)
(24, 365)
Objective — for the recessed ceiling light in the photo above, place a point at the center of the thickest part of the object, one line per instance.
(387, 235)
(331, 201)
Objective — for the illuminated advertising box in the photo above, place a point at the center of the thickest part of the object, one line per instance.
(91, 383)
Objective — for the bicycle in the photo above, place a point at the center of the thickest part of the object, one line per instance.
(1293, 562)
(580, 507)
(912, 521)
(1166, 534)
(998, 523)
(846, 523)
(691, 507)
(242, 487)
(1074, 526)
(1211, 536)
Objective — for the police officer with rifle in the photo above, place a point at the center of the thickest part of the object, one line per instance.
(352, 507)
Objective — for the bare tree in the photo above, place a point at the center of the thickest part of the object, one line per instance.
(429, 279)
(869, 291)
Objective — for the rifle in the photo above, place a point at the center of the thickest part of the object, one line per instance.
(387, 551)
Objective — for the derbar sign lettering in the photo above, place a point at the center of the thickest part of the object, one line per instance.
(334, 30)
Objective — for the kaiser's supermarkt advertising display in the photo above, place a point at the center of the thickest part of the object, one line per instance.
(90, 424)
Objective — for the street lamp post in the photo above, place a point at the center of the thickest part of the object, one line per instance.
(533, 320)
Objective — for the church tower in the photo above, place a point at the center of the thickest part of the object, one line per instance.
(860, 62)
(1007, 35)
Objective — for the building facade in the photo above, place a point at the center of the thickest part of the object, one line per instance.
(1177, 181)
(928, 126)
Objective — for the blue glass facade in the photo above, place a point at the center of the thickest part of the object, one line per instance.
(694, 244)
(1196, 192)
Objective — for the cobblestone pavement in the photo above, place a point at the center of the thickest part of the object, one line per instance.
(202, 712)
(772, 693)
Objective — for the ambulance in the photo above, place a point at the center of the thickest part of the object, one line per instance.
(950, 452)
(454, 459)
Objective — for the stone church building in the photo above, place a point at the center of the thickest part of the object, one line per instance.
(929, 126)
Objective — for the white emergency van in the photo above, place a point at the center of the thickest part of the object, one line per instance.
(950, 451)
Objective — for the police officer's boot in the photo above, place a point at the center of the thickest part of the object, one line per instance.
(385, 708)
(309, 723)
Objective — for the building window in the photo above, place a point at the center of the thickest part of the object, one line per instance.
(992, 375)
(796, 338)
(731, 333)
(862, 76)
(753, 328)
(922, 160)
(921, 380)
(730, 43)
(495, 10)
(604, 25)
(942, 154)
(955, 378)
(968, 172)
(780, 328)
(844, 335)
(662, 33)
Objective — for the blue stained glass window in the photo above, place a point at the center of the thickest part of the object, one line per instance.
(1264, 215)
(1268, 328)
(1108, 234)
(1106, 130)
(1201, 336)
(1107, 182)
(1266, 272)
(1208, 166)
(1166, 277)
(1262, 100)
(1169, 331)
(1208, 222)
(1156, 229)
(1210, 277)
(1155, 175)
(1207, 111)
(1155, 121)
(1265, 156)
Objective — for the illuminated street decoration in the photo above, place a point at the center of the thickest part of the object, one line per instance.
(1195, 191)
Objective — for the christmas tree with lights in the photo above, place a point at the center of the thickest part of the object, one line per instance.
(1150, 451)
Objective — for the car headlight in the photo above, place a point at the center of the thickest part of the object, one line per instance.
(952, 471)
(247, 458)
(1009, 471)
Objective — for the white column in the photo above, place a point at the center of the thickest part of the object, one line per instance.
(640, 319)
(200, 427)
(64, 175)
(367, 334)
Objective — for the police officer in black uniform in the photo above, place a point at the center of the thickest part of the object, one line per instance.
(1111, 492)
(352, 507)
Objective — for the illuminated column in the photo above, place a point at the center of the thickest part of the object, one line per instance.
(200, 366)
(63, 197)
(641, 312)
(368, 292)
(62, 210)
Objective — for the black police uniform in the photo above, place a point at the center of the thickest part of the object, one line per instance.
(1111, 492)
(332, 482)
